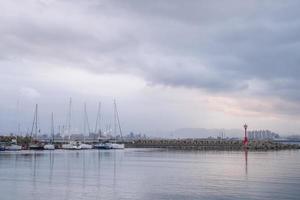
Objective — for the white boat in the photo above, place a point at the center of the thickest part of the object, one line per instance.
(86, 146)
(86, 125)
(113, 146)
(13, 147)
(49, 147)
(35, 144)
(72, 146)
(100, 146)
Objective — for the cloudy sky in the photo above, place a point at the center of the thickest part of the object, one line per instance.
(170, 64)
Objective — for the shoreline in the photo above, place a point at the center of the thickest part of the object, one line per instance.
(183, 144)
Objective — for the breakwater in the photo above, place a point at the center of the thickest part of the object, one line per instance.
(209, 144)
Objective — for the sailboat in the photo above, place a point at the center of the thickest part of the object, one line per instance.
(71, 145)
(2, 146)
(34, 144)
(98, 130)
(13, 146)
(114, 144)
(85, 126)
(51, 146)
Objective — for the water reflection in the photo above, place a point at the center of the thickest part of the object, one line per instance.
(246, 161)
(98, 192)
(34, 163)
(149, 174)
(68, 176)
(51, 165)
(83, 170)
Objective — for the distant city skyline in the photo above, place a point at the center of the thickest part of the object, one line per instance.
(170, 65)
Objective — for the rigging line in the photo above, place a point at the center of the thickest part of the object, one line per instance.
(52, 127)
(118, 119)
(86, 120)
(98, 118)
(31, 133)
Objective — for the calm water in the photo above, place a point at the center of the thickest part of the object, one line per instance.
(149, 174)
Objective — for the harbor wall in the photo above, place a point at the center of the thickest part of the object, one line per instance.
(209, 144)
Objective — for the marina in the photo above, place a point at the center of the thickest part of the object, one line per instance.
(149, 100)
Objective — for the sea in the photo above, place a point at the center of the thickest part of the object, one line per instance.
(149, 174)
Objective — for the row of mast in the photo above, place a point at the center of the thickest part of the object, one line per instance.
(86, 126)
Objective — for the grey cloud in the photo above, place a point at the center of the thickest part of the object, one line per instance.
(216, 46)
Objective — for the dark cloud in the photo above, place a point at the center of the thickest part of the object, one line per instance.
(217, 46)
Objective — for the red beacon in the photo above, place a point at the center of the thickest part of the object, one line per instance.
(245, 142)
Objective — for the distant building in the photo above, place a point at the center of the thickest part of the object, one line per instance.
(262, 135)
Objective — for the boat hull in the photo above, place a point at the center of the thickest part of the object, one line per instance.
(99, 146)
(49, 147)
(71, 147)
(36, 147)
(110, 146)
(86, 146)
(13, 148)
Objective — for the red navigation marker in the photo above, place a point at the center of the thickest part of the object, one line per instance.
(245, 142)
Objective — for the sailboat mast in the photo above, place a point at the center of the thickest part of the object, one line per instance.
(52, 127)
(115, 121)
(98, 118)
(69, 117)
(36, 120)
(68, 121)
(33, 123)
(118, 119)
(86, 125)
(18, 118)
(84, 119)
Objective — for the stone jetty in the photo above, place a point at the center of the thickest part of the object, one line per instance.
(208, 144)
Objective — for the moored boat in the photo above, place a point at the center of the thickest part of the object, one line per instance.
(100, 146)
(36, 146)
(86, 127)
(13, 147)
(49, 147)
(109, 145)
(113, 146)
(86, 146)
(72, 146)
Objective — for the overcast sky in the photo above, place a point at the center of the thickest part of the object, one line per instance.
(170, 64)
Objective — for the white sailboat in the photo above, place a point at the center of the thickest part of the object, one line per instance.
(86, 146)
(13, 146)
(14, 143)
(71, 145)
(117, 125)
(51, 146)
(86, 125)
(110, 145)
(34, 144)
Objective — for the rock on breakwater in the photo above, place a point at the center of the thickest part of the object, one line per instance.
(208, 144)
